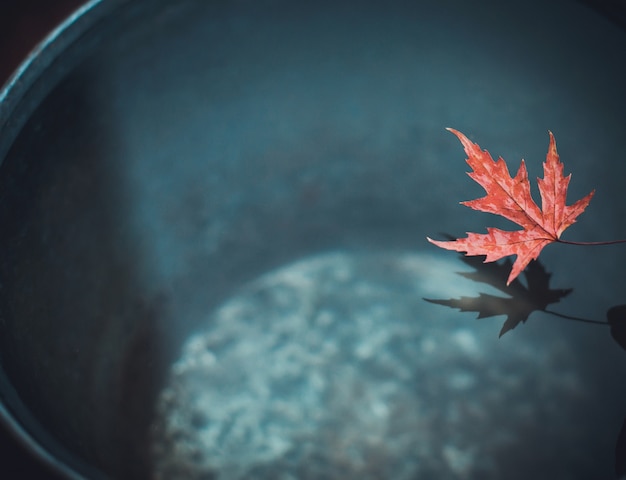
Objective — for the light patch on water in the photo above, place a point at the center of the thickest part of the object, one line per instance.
(461, 380)
(428, 346)
(465, 339)
(335, 367)
(460, 461)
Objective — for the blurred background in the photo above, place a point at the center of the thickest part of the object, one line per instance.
(23, 23)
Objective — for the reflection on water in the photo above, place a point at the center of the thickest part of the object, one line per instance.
(334, 367)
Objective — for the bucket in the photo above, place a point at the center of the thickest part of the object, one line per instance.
(214, 220)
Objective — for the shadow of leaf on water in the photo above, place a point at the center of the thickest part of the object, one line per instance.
(616, 316)
(522, 299)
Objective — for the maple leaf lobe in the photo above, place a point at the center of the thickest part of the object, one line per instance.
(510, 197)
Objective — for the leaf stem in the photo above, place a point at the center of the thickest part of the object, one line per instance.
(610, 242)
(577, 319)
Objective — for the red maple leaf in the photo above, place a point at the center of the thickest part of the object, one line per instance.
(510, 197)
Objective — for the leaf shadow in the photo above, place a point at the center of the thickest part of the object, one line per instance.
(521, 300)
